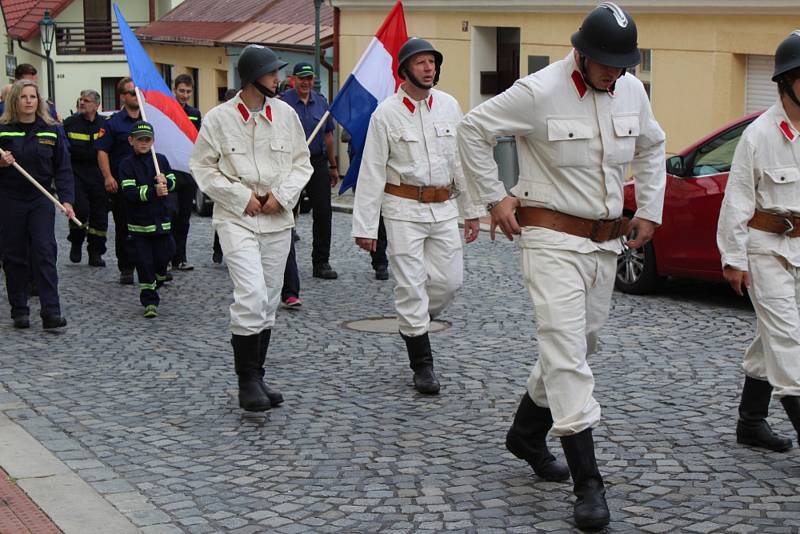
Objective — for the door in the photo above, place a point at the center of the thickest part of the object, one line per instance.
(97, 23)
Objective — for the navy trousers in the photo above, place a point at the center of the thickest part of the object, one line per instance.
(319, 190)
(91, 207)
(185, 190)
(152, 253)
(29, 245)
(291, 278)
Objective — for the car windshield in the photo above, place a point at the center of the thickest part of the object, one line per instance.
(716, 156)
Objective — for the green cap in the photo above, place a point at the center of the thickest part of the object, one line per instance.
(142, 129)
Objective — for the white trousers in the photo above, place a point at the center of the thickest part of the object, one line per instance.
(256, 263)
(571, 295)
(774, 354)
(428, 265)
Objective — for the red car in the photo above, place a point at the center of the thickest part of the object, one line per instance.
(686, 243)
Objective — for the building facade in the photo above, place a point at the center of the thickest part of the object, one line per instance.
(706, 62)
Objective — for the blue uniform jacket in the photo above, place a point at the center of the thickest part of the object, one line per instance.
(113, 139)
(310, 114)
(194, 115)
(148, 214)
(44, 153)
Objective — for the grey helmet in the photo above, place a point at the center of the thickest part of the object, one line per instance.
(415, 46)
(256, 61)
(608, 36)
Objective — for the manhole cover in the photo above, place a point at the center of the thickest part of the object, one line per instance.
(387, 325)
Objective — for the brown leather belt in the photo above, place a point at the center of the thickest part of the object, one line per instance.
(787, 225)
(425, 194)
(598, 231)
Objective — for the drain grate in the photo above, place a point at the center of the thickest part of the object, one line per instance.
(387, 325)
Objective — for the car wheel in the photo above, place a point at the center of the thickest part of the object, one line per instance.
(636, 270)
(202, 204)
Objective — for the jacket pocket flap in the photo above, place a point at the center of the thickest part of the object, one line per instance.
(279, 145)
(568, 129)
(626, 125)
(783, 175)
(444, 129)
(231, 149)
(403, 135)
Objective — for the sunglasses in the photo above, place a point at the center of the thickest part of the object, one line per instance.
(132, 93)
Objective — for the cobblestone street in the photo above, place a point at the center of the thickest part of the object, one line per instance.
(145, 410)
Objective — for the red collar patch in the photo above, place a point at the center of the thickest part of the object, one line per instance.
(787, 131)
(430, 102)
(409, 104)
(243, 110)
(580, 84)
(268, 112)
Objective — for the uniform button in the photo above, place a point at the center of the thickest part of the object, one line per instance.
(526, 193)
(782, 178)
(570, 134)
(630, 132)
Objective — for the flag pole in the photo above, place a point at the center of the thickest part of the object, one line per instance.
(319, 125)
(39, 186)
(144, 118)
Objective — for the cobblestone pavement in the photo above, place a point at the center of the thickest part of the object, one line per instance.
(145, 411)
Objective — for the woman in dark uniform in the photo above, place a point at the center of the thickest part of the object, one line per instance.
(30, 137)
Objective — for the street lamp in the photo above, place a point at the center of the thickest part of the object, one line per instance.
(47, 30)
(317, 8)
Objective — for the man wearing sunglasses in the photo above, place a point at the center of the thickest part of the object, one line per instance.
(112, 147)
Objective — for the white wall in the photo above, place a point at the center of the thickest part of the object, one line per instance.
(482, 57)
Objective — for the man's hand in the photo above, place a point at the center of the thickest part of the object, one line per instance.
(643, 230)
(271, 206)
(161, 179)
(161, 189)
(7, 160)
(504, 216)
(111, 185)
(472, 228)
(253, 207)
(370, 245)
(69, 211)
(334, 172)
(739, 280)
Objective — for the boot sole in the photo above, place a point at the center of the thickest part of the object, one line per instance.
(261, 408)
(512, 448)
(759, 445)
(594, 524)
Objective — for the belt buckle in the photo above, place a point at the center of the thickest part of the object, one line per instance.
(789, 225)
(595, 229)
(421, 195)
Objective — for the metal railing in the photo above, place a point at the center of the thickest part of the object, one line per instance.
(79, 38)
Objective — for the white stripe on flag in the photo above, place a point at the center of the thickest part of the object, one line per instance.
(170, 140)
(374, 71)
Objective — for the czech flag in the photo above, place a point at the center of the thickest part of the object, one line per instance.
(175, 134)
(373, 80)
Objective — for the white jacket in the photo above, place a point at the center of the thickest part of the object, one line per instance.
(575, 147)
(238, 152)
(411, 143)
(765, 176)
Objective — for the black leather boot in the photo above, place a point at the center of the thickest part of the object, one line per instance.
(75, 252)
(591, 510)
(752, 428)
(420, 358)
(527, 440)
(275, 397)
(246, 352)
(792, 407)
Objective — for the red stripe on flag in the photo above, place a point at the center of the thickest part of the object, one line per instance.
(393, 35)
(170, 107)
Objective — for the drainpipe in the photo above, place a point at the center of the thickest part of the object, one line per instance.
(152, 7)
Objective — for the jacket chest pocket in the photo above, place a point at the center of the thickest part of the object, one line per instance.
(780, 188)
(235, 161)
(44, 153)
(281, 154)
(626, 130)
(405, 149)
(571, 138)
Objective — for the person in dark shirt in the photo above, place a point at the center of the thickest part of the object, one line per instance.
(145, 189)
(187, 188)
(310, 107)
(31, 138)
(91, 201)
(112, 147)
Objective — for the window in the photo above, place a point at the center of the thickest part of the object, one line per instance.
(108, 91)
(166, 73)
(642, 70)
(716, 156)
(195, 74)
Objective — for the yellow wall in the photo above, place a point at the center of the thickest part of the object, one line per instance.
(698, 61)
(207, 60)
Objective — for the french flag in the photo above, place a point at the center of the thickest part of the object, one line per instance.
(373, 80)
(174, 132)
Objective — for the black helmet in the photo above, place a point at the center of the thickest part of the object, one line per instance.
(256, 61)
(608, 36)
(787, 56)
(415, 46)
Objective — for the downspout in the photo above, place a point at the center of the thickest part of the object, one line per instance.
(152, 6)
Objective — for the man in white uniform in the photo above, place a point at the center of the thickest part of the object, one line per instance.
(251, 158)
(411, 172)
(759, 239)
(581, 124)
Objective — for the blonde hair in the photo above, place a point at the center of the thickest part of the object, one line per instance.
(11, 111)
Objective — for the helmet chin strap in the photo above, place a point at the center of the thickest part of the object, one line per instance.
(585, 75)
(410, 77)
(787, 88)
(263, 90)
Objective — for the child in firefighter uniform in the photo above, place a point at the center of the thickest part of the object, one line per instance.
(411, 173)
(759, 240)
(252, 159)
(145, 191)
(581, 124)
